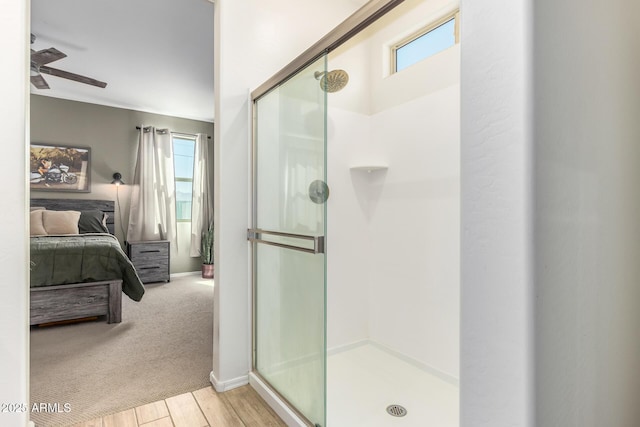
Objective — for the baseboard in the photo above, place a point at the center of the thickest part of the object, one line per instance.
(290, 418)
(222, 386)
(186, 273)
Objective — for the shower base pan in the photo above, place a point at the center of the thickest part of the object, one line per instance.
(364, 381)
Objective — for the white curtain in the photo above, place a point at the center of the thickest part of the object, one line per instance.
(202, 197)
(152, 215)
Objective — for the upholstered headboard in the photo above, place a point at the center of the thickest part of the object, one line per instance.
(106, 206)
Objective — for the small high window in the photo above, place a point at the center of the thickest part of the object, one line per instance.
(435, 38)
(183, 157)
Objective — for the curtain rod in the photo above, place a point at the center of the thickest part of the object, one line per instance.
(146, 129)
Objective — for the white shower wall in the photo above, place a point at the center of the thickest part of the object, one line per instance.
(393, 235)
(414, 286)
(348, 238)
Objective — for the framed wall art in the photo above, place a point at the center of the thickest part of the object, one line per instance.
(60, 168)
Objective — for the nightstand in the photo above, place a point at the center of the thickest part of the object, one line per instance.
(151, 259)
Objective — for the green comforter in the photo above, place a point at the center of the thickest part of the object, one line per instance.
(58, 260)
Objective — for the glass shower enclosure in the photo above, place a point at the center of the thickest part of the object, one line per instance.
(288, 241)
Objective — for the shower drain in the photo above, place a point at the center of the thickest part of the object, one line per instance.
(396, 410)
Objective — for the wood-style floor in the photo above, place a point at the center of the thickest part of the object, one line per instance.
(202, 408)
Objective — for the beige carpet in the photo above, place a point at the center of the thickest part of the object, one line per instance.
(162, 348)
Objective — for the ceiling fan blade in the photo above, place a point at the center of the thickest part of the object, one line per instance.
(46, 56)
(39, 82)
(72, 76)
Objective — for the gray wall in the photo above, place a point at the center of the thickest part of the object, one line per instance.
(587, 229)
(112, 136)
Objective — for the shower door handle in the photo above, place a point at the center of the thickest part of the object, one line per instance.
(255, 235)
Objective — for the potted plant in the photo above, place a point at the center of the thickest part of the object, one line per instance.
(206, 253)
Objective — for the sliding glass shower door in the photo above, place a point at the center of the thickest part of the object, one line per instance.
(289, 211)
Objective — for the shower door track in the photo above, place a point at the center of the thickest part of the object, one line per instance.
(264, 383)
(358, 21)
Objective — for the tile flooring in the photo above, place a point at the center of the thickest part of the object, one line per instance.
(361, 383)
(202, 408)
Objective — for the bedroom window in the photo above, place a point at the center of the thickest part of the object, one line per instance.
(433, 39)
(183, 156)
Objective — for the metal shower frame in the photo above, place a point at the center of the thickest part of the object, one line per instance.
(358, 21)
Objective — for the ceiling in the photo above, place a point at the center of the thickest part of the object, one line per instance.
(155, 55)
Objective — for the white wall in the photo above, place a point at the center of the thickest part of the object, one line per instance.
(415, 247)
(14, 255)
(349, 141)
(348, 215)
(393, 248)
(583, 255)
(496, 366)
(587, 172)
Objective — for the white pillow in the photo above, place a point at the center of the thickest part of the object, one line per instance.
(36, 227)
(60, 222)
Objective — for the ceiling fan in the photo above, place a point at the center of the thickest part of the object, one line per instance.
(46, 56)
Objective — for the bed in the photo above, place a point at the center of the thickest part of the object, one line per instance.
(76, 275)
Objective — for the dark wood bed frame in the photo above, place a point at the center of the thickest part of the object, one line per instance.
(77, 300)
